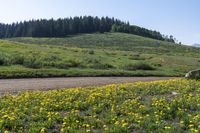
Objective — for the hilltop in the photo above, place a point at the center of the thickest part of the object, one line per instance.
(63, 27)
(108, 54)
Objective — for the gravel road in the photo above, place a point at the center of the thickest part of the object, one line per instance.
(18, 85)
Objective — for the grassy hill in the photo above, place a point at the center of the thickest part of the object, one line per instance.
(108, 54)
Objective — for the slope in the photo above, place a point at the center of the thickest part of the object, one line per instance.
(108, 54)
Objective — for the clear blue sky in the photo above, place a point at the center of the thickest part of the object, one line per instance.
(181, 18)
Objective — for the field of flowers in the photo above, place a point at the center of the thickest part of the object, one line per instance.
(159, 106)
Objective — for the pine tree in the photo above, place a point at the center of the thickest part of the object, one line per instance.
(76, 25)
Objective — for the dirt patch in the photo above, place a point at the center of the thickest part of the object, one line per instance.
(18, 85)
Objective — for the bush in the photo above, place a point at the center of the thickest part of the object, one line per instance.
(73, 63)
(101, 66)
(61, 65)
(91, 60)
(157, 64)
(88, 51)
(138, 66)
(32, 62)
(136, 57)
(66, 64)
(4, 59)
(91, 52)
(17, 59)
(51, 57)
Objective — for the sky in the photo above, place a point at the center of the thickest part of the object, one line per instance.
(180, 18)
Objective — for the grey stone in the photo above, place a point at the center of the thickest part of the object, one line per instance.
(174, 93)
(195, 74)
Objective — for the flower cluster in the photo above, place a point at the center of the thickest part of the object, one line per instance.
(159, 106)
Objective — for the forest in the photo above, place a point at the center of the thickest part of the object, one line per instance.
(77, 25)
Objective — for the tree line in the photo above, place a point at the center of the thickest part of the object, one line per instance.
(136, 30)
(75, 25)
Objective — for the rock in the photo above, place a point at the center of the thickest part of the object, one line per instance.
(195, 74)
(174, 93)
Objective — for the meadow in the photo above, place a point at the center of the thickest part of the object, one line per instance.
(158, 106)
(108, 54)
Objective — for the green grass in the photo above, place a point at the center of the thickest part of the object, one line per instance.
(97, 54)
(116, 41)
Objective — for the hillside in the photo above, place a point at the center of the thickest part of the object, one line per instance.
(109, 54)
(116, 41)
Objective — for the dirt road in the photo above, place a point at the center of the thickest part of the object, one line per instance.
(18, 85)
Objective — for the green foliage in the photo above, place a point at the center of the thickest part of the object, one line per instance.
(66, 64)
(88, 51)
(76, 25)
(117, 41)
(101, 66)
(91, 52)
(136, 57)
(32, 63)
(58, 28)
(17, 58)
(138, 66)
(136, 30)
(108, 54)
(4, 59)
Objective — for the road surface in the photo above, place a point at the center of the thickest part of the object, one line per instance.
(17, 85)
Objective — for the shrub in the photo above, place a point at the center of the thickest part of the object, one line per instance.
(138, 66)
(5, 59)
(52, 57)
(17, 59)
(73, 63)
(88, 51)
(32, 62)
(101, 66)
(2, 60)
(61, 65)
(113, 53)
(66, 64)
(91, 52)
(157, 64)
(91, 60)
(136, 57)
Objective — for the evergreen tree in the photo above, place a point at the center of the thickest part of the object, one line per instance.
(76, 25)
